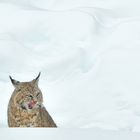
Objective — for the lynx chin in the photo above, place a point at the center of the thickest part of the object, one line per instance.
(25, 108)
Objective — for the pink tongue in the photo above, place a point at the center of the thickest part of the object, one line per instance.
(31, 104)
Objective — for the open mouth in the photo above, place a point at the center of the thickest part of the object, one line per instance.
(31, 104)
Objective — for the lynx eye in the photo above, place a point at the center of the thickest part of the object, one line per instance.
(30, 96)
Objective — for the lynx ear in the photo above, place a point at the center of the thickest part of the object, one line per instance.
(36, 80)
(14, 82)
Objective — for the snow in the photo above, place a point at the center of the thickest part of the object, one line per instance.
(88, 52)
(60, 134)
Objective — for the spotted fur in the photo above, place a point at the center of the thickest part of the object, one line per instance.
(25, 108)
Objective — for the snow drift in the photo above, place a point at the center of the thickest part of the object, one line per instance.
(89, 59)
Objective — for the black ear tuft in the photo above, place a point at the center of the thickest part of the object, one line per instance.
(10, 78)
(37, 78)
(14, 82)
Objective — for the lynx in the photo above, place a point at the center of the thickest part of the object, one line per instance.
(25, 108)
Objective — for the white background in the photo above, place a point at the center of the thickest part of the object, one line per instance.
(88, 52)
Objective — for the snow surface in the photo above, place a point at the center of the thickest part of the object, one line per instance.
(66, 134)
(88, 52)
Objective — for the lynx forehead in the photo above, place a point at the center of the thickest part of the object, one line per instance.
(25, 108)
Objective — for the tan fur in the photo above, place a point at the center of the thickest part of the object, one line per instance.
(19, 113)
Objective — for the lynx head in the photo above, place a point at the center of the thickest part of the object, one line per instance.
(27, 95)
